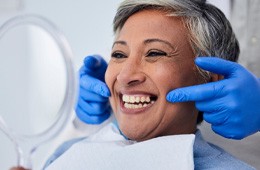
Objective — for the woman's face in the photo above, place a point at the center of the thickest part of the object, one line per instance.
(151, 56)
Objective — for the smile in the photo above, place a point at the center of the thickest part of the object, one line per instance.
(137, 101)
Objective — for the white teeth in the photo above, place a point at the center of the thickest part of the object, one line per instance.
(135, 106)
(132, 99)
(136, 99)
(125, 98)
(136, 102)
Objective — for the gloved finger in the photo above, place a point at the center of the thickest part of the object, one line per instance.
(93, 108)
(90, 96)
(218, 66)
(91, 119)
(228, 132)
(197, 92)
(95, 66)
(212, 105)
(95, 61)
(94, 85)
(215, 118)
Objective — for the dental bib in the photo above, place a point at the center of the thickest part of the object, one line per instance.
(108, 149)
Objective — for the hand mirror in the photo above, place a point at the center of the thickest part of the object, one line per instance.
(38, 85)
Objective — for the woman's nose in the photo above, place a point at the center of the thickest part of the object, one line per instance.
(131, 73)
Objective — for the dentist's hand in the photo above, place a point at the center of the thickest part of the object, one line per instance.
(231, 105)
(93, 106)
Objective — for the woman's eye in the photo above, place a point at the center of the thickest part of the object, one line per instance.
(118, 55)
(156, 54)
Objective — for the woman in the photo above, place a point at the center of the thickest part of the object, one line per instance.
(156, 43)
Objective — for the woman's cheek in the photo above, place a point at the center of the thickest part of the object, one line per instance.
(108, 77)
(168, 77)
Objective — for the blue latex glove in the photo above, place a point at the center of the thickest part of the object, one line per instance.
(231, 105)
(93, 106)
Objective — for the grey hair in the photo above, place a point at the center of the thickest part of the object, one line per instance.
(210, 31)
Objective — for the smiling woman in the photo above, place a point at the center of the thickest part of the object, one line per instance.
(151, 56)
(156, 43)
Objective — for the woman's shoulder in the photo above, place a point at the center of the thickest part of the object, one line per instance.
(209, 156)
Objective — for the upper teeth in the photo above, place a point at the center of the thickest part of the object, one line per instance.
(136, 99)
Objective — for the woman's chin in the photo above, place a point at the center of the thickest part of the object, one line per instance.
(135, 135)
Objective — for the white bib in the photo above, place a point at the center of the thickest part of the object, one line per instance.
(108, 149)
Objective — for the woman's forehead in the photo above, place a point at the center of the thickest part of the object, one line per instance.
(152, 24)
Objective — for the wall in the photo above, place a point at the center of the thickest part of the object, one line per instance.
(87, 26)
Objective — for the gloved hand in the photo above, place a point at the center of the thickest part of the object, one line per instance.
(93, 106)
(231, 105)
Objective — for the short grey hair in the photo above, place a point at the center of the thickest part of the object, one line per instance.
(210, 32)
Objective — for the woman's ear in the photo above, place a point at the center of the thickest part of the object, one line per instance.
(216, 77)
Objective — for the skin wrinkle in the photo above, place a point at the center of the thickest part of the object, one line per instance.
(141, 34)
(174, 51)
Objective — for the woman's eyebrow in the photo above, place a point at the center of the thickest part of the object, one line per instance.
(147, 41)
(158, 40)
(119, 42)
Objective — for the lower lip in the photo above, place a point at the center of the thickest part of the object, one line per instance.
(134, 111)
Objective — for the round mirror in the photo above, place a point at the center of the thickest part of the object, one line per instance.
(33, 79)
(37, 88)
